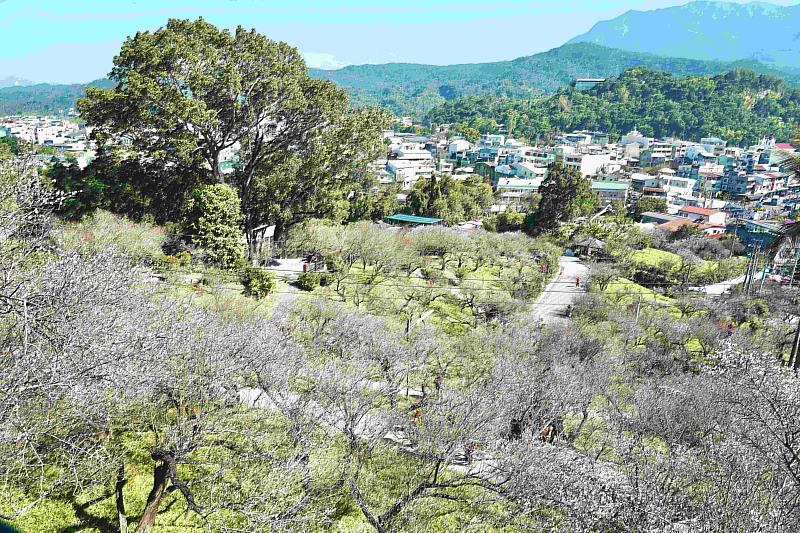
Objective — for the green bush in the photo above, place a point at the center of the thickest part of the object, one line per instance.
(211, 218)
(325, 279)
(257, 282)
(308, 281)
(185, 258)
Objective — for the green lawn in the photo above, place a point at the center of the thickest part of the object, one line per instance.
(627, 292)
(654, 257)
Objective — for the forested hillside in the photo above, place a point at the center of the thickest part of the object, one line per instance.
(739, 106)
(409, 89)
(43, 98)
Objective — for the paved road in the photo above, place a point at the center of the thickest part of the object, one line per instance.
(551, 306)
(718, 289)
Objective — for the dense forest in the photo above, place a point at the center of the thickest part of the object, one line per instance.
(44, 98)
(739, 106)
(409, 89)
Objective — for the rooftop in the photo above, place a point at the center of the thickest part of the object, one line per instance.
(413, 219)
(609, 185)
(698, 210)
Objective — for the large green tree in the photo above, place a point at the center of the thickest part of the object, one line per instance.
(232, 107)
(565, 194)
(450, 199)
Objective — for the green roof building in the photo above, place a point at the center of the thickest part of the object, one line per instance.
(413, 220)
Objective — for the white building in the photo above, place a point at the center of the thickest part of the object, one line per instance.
(587, 164)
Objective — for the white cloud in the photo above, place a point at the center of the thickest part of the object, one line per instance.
(323, 60)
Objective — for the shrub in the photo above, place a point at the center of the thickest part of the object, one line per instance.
(174, 243)
(325, 279)
(257, 282)
(212, 217)
(185, 258)
(308, 281)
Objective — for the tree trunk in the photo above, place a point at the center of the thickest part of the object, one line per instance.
(160, 479)
(120, 499)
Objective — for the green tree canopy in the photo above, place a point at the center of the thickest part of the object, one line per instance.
(565, 194)
(211, 220)
(233, 107)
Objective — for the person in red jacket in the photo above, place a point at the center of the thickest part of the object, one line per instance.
(577, 281)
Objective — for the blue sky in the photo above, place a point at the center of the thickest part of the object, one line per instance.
(75, 40)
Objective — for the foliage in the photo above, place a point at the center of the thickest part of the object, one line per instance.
(308, 281)
(139, 241)
(449, 199)
(235, 108)
(211, 221)
(652, 412)
(507, 220)
(564, 196)
(408, 89)
(645, 204)
(656, 103)
(257, 282)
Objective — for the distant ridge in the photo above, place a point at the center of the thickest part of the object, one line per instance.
(411, 89)
(13, 81)
(43, 98)
(707, 30)
(414, 89)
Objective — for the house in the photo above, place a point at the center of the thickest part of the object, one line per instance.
(486, 170)
(610, 191)
(589, 245)
(702, 215)
(458, 148)
(709, 230)
(514, 192)
(639, 182)
(529, 171)
(587, 164)
(652, 217)
(676, 186)
(584, 84)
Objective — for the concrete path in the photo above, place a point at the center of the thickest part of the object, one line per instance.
(718, 289)
(551, 306)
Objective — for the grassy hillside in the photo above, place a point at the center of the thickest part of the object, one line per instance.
(414, 89)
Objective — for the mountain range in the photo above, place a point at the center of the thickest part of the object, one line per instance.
(707, 30)
(699, 38)
(414, 89)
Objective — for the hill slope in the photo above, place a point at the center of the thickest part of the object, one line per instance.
(410, 89)
(43, 98)
(707, 30)
(413, 89)
(739, 106)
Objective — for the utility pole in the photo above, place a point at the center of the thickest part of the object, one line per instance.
(794, 356)
(748, 272)
(764, 272)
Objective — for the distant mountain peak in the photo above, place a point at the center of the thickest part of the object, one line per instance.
(696, 30)
(13, 81)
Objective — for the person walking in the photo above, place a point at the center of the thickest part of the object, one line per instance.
(577, 281)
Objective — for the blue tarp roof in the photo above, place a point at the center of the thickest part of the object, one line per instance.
(412, 219)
